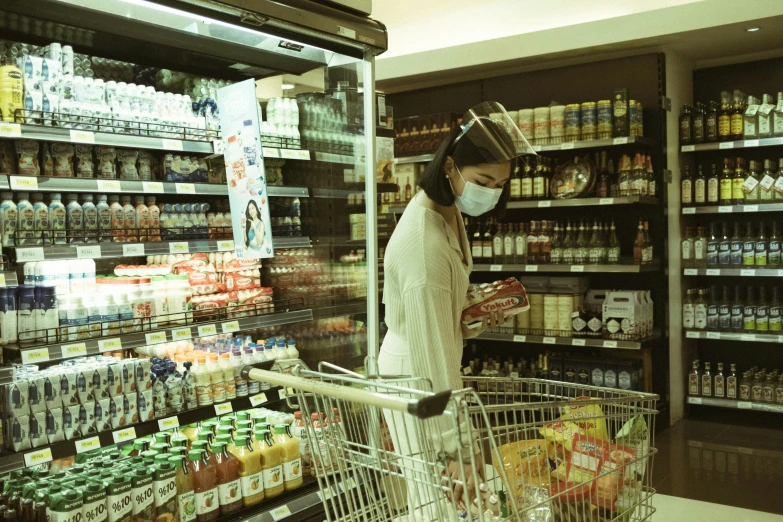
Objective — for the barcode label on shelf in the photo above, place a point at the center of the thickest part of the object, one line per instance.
(231, 326)
(348, 484)
(207, 330)
(109, 185)
(747, 272)
(567, 145)
(10, 130)
(747, 337)
(713, 335)
(750, 208)
(495, 268)
(531, 268)
(688, 148)
(694, 400)
(689, 210)
(751, 143)
(713, 271)
(81, 136)
(181, 334)
(168, 423)
(577, 268)
(513, 375)
(691, 335)
(610, 344)
(724, 209)
(34, 458)
(124, 435)
(170, 144)
(2, 280)
(74, 350)
(295, 154)
(280, 513)
(136, 249)
(743, 405)
(88, 252)
(520, 338)
(690, 271)
(549, 340)
(606, 201)
(577, 342)
(180, 247)
(270, 152)
(152, 186)
(106, 345)
(30, 254)
(223, 408)
(156, 337)
(620, 141)
(186, 188)
(90, 444)
(255, 400)
(38, 355)
(23, 183)
(726, 145)
(226, 244)
(544, 204)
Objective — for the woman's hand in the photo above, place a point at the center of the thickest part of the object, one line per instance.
(494, 320)
(458, 470)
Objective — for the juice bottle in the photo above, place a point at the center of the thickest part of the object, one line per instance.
(271, 459)
(204, 486)
(226, 365)
(142, 218)
(90, 219)
(154, 212)
(130, 223)
(117, 218)
(186, 499)
(164, 490)
(299, 430)
(216, 377)
(191, 432)
(229, 485)
(119, 498)
(292, 461)
(94, 507)
(8, 219)
(142, 495)
(203, 381)
(251, 474)
(65, 506)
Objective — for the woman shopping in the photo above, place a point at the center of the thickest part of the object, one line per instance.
(427, 266)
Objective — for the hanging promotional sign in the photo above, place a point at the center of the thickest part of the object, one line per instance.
(247, 194)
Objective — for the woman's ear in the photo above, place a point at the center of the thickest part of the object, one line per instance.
(449, 168)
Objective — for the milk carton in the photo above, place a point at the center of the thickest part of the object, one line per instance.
(54, 425)
(37, 431)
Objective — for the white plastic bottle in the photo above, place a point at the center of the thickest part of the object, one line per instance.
(216, 377)
(41, 221)
(291, 352)
(75, 277)
(25, 220)
(90, 213)
(74, 219)
(88, 275)
(142, 218)
(8, 219)
(104, 219)
(203, 382)
(253, 386)
(240, 383)
(160, 289)
(56, 218)
(229, 383)
(130, 222)
(154, 219)
(117, 219)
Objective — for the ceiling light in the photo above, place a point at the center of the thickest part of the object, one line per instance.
(287, 86)
(753, 29)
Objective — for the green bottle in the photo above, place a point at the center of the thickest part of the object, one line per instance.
(143, 496)
(65, 506)
(165, 490)
(119, 501)
(94, 507)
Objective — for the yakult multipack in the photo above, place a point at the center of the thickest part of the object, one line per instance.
(507, 295)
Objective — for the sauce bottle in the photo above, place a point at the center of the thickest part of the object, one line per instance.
(292, 461)
(186, 500)
(271, 462)
(229, 486)
(204, 486)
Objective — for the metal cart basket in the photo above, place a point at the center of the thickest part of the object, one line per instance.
(387, 449)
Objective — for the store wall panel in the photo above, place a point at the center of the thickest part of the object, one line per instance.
(457, 97)
(763, 76)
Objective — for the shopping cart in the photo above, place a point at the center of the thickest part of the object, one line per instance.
(388, 449)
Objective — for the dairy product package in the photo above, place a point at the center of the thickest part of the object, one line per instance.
(85, 168)
(116, 387)
(85, 387)
(52, 389)
(47, 161)
(117, 411)
(18, 433)
(87, 418)
(127, 159)
(17, 398)
(51, 72)
(142, 372)
(68, 391)
(146, 407)
(33, 107)
(63, 154)
(35, 382)
(31, 67)
(508, 295)
(50, 106)
(130, 406)
(101, 381)
(27, 158)
(54, 425)
(38, 429)
(103, 414)
(107, 157)
(72, 422)
(128, 375)
(145, 165)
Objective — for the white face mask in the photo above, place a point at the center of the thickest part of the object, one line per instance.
(475, 199)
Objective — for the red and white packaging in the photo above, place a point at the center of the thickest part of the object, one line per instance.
(508, 295)
(601, 464)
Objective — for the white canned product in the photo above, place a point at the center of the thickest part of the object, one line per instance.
(557, 123)
(541, 125)
(526, 123)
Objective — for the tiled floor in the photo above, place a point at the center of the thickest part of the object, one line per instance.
(675, 509)
(722, 464)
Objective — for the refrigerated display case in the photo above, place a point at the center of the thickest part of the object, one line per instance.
(128, 109)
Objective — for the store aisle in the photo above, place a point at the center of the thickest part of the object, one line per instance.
(675, 509)
(720, 465)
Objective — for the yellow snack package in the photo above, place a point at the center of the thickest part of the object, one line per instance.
(588, 416)
(525, 463)
(561, 432)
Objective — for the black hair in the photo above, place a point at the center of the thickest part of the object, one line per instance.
(465, 154)
(248, 226)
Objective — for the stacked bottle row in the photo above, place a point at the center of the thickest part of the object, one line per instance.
(739, 117)
(740, 182)
(755, 385)
(741, 309)
(751, 247)
(555, 242)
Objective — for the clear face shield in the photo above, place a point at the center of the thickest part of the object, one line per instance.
(489, 127)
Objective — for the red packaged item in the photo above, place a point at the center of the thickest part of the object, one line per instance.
(601, 464)
(482, 300)
(235, 281)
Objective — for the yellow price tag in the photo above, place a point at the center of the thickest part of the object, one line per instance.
(270, 152)
(156, 337)
(10, 130)
(74, 350)
(169, 423)
(34, 458)
(280, 513)
(181, 247)
(134, 249)
(35, 356)
(255, 400)
(124, 435)
(109, 185)
(231, 326)
(223, 408)
(23, 183)
(107, 345)
(81, 136)
(181, 334)
(170, 144)
(225, 245)
(152, 186)
(2, 279)
(88, 444)
(186, 188)
(207, 330)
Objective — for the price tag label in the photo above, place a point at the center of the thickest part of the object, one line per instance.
(74, 350)
(747, 337)
(152, 186)
(90, 444)
(520, 338)
(724, 209)
(156, 337)
(743, 405)
(513, 375)
(288, 154)
(538, 148)
(606, 201)
(82, 136)
(170, 144)
(690, 271)
(224, 245)
(549, 340)
(577, 342)
(713, 335)
(751, 143)
(713, 271)
(495, 268)
(168, 423)
(269, 152)
(280, 513)
(691, 335)
(180, 334)
(207, 330)
(2, 280)
(186, 188)
(726, 145)
(285, 392)
(567, 146)
(577, 268)
(348, 484)
(231, 326)
(38, 355)
(218, 146)
(620, 141)
(88, 252)
(610, 344)
(29, 254)
(750, 208)
(10, 130)
(688, 148)
(124, 435)
(689, 210)
(179, 247)
(109, 185)
(544, 204)
(531, 268)
(223, 408)
(23, 183)
(747, 272)
(303, 155)
(255, 400)
(694, 400)
(34, 458)
(107, 345)
(134, 249)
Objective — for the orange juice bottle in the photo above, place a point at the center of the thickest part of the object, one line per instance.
(204, 486)
(229, 487)
(271, 458)
(186, 501)
(292, 461)
(251, 475)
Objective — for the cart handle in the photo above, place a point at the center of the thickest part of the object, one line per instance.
(424, 408)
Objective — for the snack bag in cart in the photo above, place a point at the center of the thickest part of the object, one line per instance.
(507, 295)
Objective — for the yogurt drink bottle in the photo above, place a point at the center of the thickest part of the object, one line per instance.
(74, 219)
(25, 220)
(8, 219)
(57, 218)
(104, 219)
(90, 213)
(41, 221)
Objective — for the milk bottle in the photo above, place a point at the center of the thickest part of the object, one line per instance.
(142, 218)
(57, 218)
(8, 219)
(131, 224)
(90, 216)
(74, 219)
(41, 220)
(117, 218)
(154, 219)
(104, 219)
(25, 220)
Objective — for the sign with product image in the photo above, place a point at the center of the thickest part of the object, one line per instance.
(247, 194)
